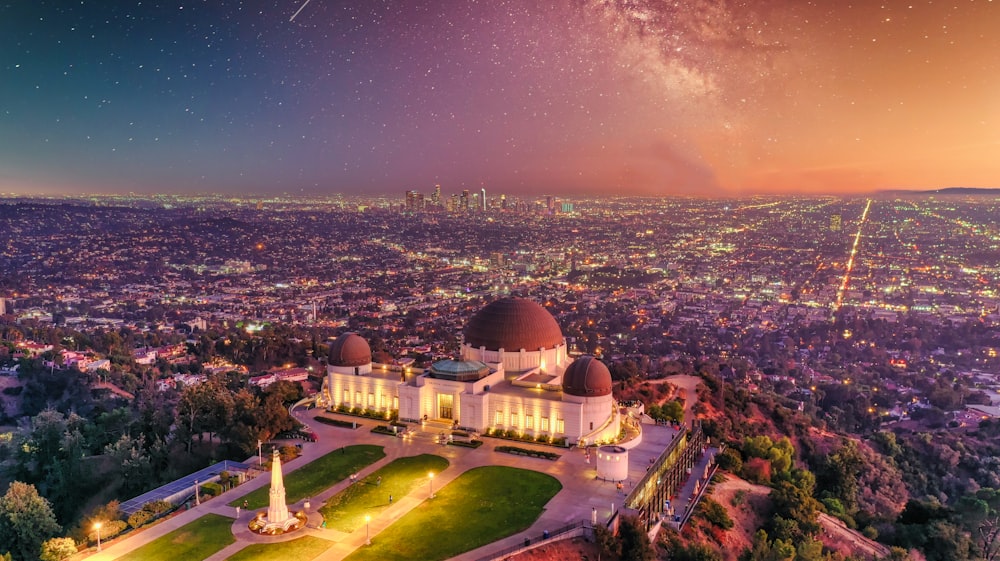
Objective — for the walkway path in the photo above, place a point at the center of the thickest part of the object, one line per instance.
(688, 391)
(581, 492)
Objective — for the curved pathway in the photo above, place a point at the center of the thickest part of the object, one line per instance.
(581, 492)
(687, 386)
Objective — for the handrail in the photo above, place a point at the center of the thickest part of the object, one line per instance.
(531, 543)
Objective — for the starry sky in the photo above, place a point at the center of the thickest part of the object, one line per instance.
(587, 97)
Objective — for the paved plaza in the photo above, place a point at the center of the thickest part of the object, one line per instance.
(582, 492)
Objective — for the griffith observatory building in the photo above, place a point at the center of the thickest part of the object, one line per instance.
(513, 374)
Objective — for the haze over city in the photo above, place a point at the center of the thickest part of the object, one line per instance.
(632, 97)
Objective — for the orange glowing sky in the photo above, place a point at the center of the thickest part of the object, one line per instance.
(702, 97)
(904, 97)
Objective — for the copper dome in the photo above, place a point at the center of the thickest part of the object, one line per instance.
(350, 349)
(587, 377)
(513, 324)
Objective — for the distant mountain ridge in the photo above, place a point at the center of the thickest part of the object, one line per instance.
(945, 191)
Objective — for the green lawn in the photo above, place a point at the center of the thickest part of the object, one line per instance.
(318, 475)
(346, 510)
(302, 549)
(193, 541)
(483, 505)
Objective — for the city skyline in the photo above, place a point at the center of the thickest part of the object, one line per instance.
(639, 98)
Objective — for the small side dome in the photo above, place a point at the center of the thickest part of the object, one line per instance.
(587, 377)
(350, 349)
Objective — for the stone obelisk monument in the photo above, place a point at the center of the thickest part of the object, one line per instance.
(277, 510)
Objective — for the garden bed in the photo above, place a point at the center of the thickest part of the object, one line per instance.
(527, 452)
(514, 435)
(338, 422)
(386, 430)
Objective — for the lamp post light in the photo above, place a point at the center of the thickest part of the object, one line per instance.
(260, 456)
(97, 526)
(430, 485)
(368, 534)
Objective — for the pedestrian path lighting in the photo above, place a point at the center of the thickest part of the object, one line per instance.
(430, 484)
(368, 535)
(97, 526)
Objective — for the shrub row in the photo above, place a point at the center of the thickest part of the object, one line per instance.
(108, 530)
(337, 422)
(383, 429)
(140, 518)
(157, 507)
(369, 413)
(526, 452)
(211, 489)
(150, 511)
(466, 443)
(513, 434)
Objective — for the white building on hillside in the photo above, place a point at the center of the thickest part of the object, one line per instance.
(514, 374)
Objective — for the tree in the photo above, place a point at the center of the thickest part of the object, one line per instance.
(868, 485)
(809, 550)
(715, 513)
(26, 521)
(50, 455)
(730, 460)
(290, 392)
(607, 541)
(694, 552)
(757, 446)
(946, 542)
(763, 549)
(634, 541)
(205, 407)
(840, 475)
(57, 549)
(981, 514)
(795, 504)
(274, 417)
(135, 471)
(243, 432)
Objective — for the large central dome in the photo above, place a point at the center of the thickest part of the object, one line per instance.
(513, 324)
(350, 349)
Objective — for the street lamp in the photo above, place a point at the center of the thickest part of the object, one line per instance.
(430, 484)
(260, 457)
(97, 526)
(368, 534)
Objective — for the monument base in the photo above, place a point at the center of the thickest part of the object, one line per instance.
(261, 525)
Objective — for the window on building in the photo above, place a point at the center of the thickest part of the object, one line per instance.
(395, 402)
(357, 398)
(498, 418)
(592, 425)
(371, 400)
(513, 419)
(347, 396)
(545, 424)
(381, 401)
(529, 421)
(560, 426)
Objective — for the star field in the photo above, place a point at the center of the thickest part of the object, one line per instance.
(706, 97)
